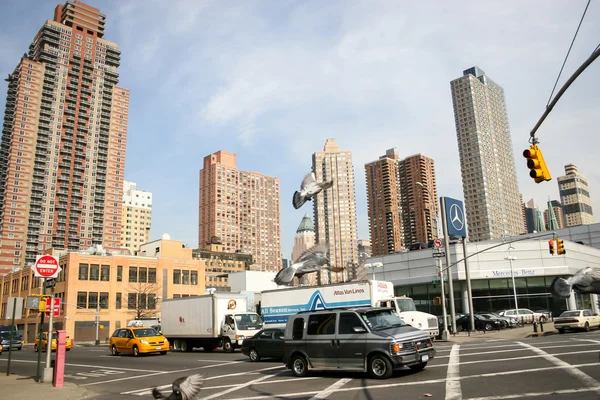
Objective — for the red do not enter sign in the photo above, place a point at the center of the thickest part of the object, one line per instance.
(46, 266)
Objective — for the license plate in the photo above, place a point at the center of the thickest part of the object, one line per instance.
(158, 348)
(425, 358)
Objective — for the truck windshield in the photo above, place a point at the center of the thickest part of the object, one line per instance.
(381, 319)
(248, 322)
(406, 305)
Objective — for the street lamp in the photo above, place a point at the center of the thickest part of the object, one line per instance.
(510, 260)
(373, 266)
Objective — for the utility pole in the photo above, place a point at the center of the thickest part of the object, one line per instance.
(48, 370)
(97, 323)
(40, 333)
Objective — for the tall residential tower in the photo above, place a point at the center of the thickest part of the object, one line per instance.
(335, 209)
(62, 155)
(487, 162)
(137, 217)
(575, 197)
(242, 209)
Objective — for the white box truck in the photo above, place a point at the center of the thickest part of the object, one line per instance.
(209, 321)
(277, 305)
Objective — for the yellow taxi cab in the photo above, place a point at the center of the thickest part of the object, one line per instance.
(68, 342)
(138, 340)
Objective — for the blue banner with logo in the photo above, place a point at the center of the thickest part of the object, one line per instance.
(455, 217)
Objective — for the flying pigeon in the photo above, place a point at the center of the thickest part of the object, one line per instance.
(309, 189)
(312, 260)
(185, 388)
(586, 280)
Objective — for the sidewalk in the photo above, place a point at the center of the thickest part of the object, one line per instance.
(514, 333)
(25, 387)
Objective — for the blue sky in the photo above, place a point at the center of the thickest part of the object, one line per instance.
(272, 80)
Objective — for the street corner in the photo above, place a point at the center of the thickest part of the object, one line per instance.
(14, 386)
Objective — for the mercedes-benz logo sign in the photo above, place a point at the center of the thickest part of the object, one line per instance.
(457, 218)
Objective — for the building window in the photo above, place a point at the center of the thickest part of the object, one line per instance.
(185, 277)
(176, 276)
(92, 300)
(104, 300)
(83, 272)
(142, 301)
(118, 301)
(133, 274)
(143, 275)
(81, 300)
(152, 301)
(151, 275)
(131, 301)
(105, 273)
(94, 272)
(119, 273)
(194, 278)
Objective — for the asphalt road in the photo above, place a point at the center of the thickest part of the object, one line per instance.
(558, 367)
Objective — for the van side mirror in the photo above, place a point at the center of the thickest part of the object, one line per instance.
(359, 329)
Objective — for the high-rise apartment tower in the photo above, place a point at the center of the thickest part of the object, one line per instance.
(62, 155)
(241, 208)
(487, 162)
(137, 217)
(335, 209)
(575, 197)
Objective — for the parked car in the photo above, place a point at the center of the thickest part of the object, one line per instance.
(14, 340)
(506, 321)
(267, 343)
(366, 339)
(481, 323)
(577, 319)
(138, 340)
(525, 315)
(44, 345)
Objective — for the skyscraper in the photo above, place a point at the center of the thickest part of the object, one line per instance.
(304, 238)
(418, 203)
(575, 197)
(553, 216)
(335, 208)
(241, 208)
(137, 217)
(62, 155)
(487, 162)
(531, 217)
(383, 202)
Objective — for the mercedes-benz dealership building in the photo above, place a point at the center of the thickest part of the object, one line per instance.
(414, 273)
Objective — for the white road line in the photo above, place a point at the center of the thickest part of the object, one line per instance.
(453, 389)
(520, 349)
(325, 393)
(515, 358)
(518, 396)
(148, 391)
(589, 340)
(392, 385)
(582, 376)
(87, 366)
(235, 388)
(157, 373)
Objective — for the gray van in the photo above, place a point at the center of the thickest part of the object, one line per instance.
(367, 339)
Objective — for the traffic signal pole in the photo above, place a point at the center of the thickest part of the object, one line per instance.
(40, 333)
(48, 370)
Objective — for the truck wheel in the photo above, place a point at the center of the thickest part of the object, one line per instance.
(185, 347)
(380, 367)
(299, 366)
(253, 355)
(227, 346)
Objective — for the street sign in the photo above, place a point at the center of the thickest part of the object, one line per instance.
(46, 267)
(455, 217)
(18, 307)
(438, 243)
(439, 254)
(436, 282)
(33, 302)
(50, 283)
(56, 307)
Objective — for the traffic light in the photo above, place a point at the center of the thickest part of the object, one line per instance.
(42, 305)
(551, 246)
(535, 162)
(560, 247)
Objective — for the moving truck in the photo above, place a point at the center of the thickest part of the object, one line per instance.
(209, 321)
(277, 305)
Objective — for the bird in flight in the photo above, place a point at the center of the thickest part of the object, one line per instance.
(586, 280)
(309, 189)
(185, 388)
(312, 260)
